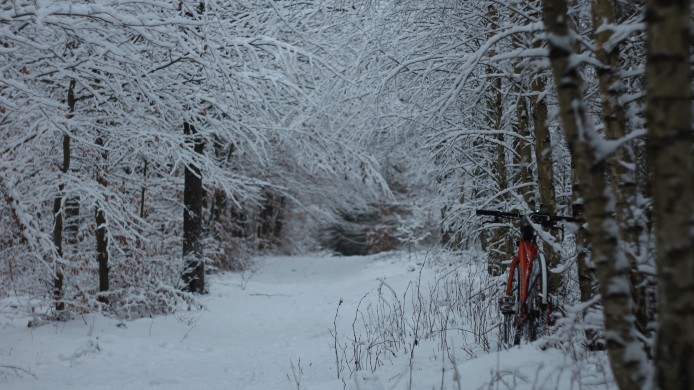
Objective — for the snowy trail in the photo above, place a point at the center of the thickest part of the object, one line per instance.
(257, 332)
(287, 309)
(254, 327)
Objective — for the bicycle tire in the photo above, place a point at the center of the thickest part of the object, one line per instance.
(510, 327)
(536, 316)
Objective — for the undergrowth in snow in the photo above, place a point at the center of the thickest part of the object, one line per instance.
(389, 321)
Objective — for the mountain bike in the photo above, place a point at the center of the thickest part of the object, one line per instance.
(525, 306)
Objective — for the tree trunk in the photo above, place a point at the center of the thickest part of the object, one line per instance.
(543, 147)
(620, 164)
(194, 274)
(58, 212)
(497, 243)
(626, 356)
(584, 264)
(58, 277)
(498, 248)
(545, 167)
(524, 151)
(586, 270)
(143, 190)
(102, 232)
(537, 110)
(545, 175)
(670, 141)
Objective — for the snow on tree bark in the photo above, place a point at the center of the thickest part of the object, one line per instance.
(627, 359)
(620, 164)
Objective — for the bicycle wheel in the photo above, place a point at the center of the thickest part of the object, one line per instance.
(536, 315)
(510, 327)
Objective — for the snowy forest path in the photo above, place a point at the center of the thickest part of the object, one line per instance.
(266, 329)
(288, 305)
(256, 328)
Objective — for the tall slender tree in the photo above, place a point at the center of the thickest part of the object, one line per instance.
(621, 167)
(670, 143)
(627, 359)
(101, 225)
(194, 274)
(59, 207)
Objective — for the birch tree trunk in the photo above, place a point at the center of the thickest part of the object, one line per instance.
(585, 266)
(620, 164)
(543, 146)
(626, 356)
(670, 142)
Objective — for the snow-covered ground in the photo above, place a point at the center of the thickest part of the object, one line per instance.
(273, 329)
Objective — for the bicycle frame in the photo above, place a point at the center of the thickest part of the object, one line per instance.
(527, 252)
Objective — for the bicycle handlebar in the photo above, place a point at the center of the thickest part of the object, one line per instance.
(537, 217)
(500, 214)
